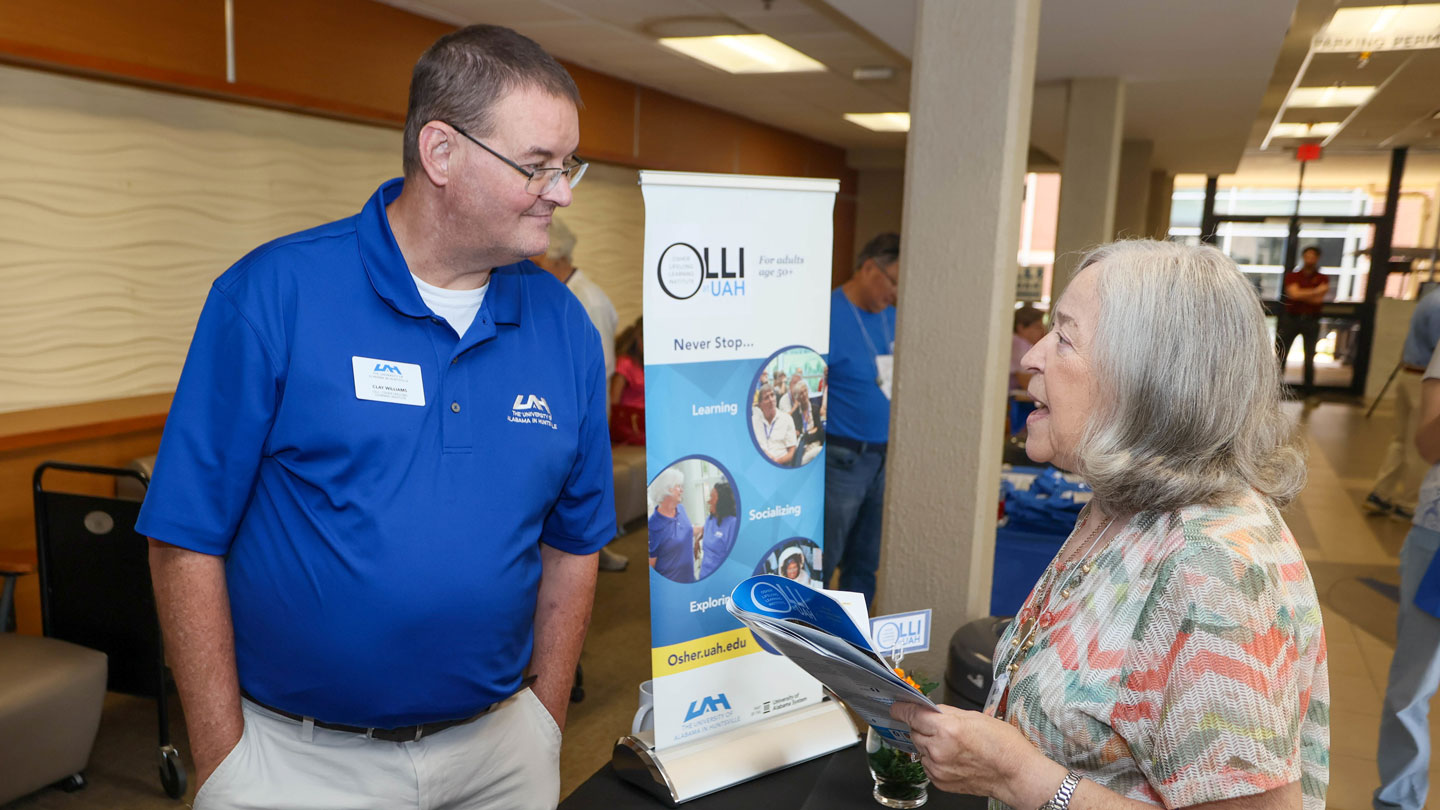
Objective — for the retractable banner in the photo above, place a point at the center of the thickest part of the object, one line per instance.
(736, 335)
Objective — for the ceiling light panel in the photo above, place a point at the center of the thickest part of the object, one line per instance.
(749, 53)
(881, 122)
(1333, 96)
(1321, 130)
(1408, 27)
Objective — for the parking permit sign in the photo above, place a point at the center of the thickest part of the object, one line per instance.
(901, 632)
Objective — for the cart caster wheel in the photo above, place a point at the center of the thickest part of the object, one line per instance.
(72, 783)
(172, 772)
(577, 694)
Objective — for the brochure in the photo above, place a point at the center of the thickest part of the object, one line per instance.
(814, 630)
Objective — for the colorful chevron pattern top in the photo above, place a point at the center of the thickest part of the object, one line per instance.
(1189, 666)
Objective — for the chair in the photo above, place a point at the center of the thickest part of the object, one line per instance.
(51, 694)
(95, 591)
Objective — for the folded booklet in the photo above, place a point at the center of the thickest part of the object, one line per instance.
(813, 630)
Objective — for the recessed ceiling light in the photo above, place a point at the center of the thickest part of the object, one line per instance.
(881, 122)
(1333, 96)
(1320, 130)
(748, 53)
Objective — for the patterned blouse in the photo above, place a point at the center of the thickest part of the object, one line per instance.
(1188, 666)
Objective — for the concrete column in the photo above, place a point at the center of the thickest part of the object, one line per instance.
(970, 94)
(1094, 118)
(1132, 189)
(1157, 213)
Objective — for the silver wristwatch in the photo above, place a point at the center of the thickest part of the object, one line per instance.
(1061, 799)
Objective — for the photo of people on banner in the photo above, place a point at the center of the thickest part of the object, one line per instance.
(788, 407)
(694, 519)
(796, 558)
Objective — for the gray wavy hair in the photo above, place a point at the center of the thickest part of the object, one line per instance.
(1188, 386)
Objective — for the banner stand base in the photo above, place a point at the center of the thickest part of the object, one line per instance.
(691, 770)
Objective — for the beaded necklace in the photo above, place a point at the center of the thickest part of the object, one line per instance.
(1039, 615)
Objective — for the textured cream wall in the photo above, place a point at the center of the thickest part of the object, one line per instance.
(119, 206)
(608, 218)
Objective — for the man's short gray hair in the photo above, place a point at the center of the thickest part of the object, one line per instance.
(562, 241)
(760, 392)
(667, 480)
(461, 78)
(1188, 387)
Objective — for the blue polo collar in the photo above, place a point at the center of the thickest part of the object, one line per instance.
(390, 274)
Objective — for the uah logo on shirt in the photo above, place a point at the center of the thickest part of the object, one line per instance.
(530, 409)
(708, 704)
(387, 368)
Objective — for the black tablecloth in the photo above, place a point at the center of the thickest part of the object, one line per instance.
(835, 782)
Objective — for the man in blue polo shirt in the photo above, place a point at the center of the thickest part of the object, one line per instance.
(386, 474)
(862, 361)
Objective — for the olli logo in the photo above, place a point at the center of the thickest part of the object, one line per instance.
(683, 270)
(387, 368)
(709, 704)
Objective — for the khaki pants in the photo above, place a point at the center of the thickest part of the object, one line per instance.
(1399, 478)
(508, 758)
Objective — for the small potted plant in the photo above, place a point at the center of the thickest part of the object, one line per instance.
(900, 779)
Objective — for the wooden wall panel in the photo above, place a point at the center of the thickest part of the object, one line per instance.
(679, 135)
(181, 41)
(352, 57)
(607, 121)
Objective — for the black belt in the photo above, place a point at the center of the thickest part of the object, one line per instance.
(855, 444)
(401, 734)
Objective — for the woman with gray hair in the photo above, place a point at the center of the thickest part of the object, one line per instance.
(1172, 654)
(674, 539)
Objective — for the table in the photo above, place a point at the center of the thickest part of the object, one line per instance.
(838, 781)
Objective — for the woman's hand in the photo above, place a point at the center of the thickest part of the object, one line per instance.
(972, 752)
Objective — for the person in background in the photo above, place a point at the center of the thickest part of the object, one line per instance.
(808, 426)
(1029, 329)
(1173, 653)
(774, 430)
(1404, 750)
(721, 527)
(627, 387)
(1305, 291)
(673, 538)
(782, 390)
(364, 598)
(559, 261)
(857, 426)
(793, 567)
(1393, 492)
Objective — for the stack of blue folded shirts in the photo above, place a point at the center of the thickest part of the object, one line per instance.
(1050, 505)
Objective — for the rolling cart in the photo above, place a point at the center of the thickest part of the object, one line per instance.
(95, 591)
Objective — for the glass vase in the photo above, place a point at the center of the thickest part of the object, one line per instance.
(900, 779)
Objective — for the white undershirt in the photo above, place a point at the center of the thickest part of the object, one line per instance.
(457, 307)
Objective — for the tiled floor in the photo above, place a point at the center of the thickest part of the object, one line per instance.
(1352, 556)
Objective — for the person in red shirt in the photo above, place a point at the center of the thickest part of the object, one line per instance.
(1304, 295)
(627, 387)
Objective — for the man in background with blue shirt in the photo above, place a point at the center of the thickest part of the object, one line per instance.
(1395, 488)
(862, 363)
(386, 474)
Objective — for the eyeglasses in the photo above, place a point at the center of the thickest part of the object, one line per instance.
(537, 181)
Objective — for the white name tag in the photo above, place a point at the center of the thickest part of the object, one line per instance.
(387, 381)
